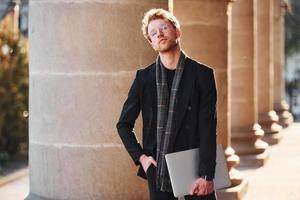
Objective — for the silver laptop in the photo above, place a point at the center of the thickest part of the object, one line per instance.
(183, 170)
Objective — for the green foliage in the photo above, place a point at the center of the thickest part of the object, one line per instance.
(4, 157)
(292, 30)
(13, 92)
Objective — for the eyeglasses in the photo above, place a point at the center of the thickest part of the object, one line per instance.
(162, 28)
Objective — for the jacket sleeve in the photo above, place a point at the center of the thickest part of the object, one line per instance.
(125, 125)
(207, 125)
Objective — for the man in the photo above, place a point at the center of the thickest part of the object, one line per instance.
(177, 97)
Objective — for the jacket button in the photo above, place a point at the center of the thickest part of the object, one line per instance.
(189, 107)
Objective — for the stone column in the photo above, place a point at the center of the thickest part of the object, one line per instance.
(246, 132)
(83, 58)
(267, 116)
(280, 105)
(206, 37)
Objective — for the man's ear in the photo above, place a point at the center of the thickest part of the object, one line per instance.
(178, 33)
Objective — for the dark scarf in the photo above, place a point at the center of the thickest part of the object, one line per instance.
(165, 119)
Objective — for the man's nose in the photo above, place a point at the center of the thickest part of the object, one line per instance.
(160, 32)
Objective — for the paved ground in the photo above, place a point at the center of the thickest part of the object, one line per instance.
(17, 190)
(279, 179)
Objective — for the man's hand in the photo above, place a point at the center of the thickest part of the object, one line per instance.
(202, 187)
(146, 161)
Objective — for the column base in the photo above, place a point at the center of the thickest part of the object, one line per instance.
(233, 193)
(236, 177)
(232, 160)
(258, 160)
(248, 141)
(250, 147)
(273, 138)
(285, 117)
(269, 122)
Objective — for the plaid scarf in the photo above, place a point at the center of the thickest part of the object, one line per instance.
(165, 119)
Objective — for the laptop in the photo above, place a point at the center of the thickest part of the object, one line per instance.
(183, 170)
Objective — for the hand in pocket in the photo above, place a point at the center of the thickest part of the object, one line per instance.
(146, 161)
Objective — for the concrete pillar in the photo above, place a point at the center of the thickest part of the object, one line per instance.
(267, 116)
(246, 132)
(83, 57)
(280, 105)
(206, 37)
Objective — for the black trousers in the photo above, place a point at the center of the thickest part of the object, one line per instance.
(156, 194)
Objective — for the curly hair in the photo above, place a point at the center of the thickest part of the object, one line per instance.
(157, 13)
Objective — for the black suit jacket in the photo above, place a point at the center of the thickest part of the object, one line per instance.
(195, 115)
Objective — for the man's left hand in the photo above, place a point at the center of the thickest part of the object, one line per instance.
(202, 187)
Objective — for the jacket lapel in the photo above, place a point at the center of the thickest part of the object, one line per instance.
(152, 81)
(184, 94)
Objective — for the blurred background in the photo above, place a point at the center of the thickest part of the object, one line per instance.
(292, 55)
(13, 85)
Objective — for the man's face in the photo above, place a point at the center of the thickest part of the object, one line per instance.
(164, 37)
